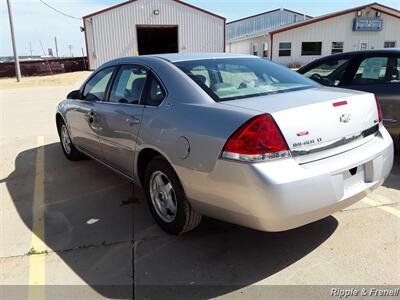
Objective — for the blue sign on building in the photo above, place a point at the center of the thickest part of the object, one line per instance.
(367, 24)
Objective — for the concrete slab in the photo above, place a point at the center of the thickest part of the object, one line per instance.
(98, 237)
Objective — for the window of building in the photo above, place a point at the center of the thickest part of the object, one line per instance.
(390, 44)
(337, 47)
(255, 49)
(311, 48)
(265, 50)
(285, 49)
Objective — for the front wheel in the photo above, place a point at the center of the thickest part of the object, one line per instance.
(167, 200)
(68, 148)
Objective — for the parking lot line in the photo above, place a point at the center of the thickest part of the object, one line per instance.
(38, 246)
(379, 205)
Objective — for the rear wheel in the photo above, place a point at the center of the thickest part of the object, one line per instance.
(166, 198)
(68, 148)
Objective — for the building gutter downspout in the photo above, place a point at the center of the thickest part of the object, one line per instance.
(271, 46)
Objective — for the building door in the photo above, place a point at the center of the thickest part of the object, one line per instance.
(157, 39)
(364, 45)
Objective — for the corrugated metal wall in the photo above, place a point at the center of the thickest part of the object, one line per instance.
(112, 33)
(261, 24)
(337, 29)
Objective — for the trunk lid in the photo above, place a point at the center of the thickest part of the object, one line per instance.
(319, 122)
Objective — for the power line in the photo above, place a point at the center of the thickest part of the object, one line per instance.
(58, 11)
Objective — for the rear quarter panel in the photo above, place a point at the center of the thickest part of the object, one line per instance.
(206, 127)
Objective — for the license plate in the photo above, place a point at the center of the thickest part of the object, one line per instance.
(353, 177)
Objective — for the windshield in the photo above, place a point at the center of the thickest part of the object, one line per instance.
(235, 78)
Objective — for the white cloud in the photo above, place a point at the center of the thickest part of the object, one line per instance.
(33, 21)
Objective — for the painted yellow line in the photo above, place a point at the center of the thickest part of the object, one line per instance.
(38, 246)
(379, 205)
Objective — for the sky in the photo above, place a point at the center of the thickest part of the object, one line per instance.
(34, 22)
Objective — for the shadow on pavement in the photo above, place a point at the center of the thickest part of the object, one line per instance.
(88, 209)
(218, 258)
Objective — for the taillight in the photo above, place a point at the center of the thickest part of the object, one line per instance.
(378, 106)
(259, 139)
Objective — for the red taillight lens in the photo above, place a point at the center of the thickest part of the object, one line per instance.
(378, 105)
(258, 139)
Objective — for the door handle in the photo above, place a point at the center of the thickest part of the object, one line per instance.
(136, 121)
(91, 116)
(133, 121)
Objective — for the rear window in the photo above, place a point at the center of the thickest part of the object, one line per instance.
(227, 79)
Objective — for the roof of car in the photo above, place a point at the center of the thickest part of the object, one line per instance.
(364, 52)
(176, 57)
(385, 51)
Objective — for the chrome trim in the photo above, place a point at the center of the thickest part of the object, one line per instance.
(373, 131)
(130, 178)
(256, 157)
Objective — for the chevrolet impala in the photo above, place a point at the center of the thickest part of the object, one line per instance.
(233, 137)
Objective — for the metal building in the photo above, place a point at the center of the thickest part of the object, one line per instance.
(250, 35)
(138, 27)
(302, 40)
(371, 26)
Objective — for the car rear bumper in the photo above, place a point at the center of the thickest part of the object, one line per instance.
(280, 195)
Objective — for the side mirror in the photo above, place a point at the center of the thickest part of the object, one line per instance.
(74, 95)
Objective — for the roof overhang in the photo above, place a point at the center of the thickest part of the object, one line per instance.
(376, 6)
(131, 1)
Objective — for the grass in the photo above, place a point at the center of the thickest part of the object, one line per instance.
(64, 79)
(33, 251)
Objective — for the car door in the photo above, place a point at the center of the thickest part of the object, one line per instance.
(120, 117)
(82, 117)
(379, 74)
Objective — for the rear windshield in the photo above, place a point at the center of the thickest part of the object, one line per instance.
(235, 78)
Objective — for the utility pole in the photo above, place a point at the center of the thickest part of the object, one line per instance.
(16, 60)
(30, 48)
(55, 42)
(70, 50)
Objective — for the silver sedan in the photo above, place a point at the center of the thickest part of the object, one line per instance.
(237, 138)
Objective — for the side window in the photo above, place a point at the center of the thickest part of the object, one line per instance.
(155, 93)
(329, 73)
(95, 89)
(371, 70)
(395, 76)
(128, 85)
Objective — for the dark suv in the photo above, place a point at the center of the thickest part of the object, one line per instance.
(375, 71)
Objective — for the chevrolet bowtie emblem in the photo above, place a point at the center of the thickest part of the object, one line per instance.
(345, 118)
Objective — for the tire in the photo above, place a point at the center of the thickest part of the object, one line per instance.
(70, 152)
(158, 175)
